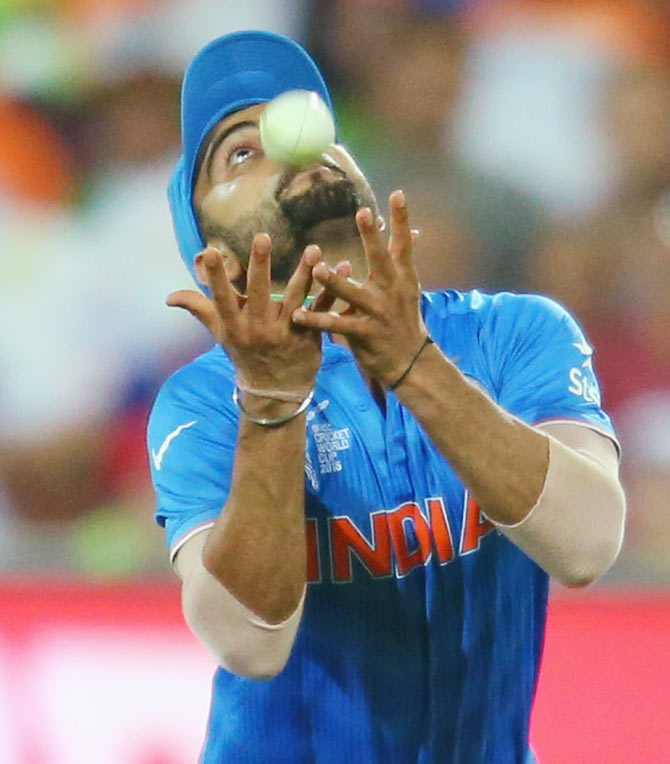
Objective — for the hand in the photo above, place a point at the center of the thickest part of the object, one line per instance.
(383, 322)
(268, 351)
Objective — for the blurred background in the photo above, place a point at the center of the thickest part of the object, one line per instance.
(533, 140)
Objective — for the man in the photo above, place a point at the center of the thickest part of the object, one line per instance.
(350, 446)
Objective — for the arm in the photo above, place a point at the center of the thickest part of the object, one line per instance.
(556, 494)
(257, 547)
(505, 463)
(244, 580)
(575, 530)
(240, 641)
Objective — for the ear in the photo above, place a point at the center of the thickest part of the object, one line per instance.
(231, 264)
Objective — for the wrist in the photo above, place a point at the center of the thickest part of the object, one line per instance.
(272, 389)
(277, 419)
(419, 381)
(413, 363)
(266, 407)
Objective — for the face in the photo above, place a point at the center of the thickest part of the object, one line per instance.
(239, 192)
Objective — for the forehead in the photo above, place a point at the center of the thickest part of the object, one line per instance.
(250, 114)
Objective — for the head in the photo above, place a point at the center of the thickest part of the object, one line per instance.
(225, 190)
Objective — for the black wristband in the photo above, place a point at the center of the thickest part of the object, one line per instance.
(428, 341)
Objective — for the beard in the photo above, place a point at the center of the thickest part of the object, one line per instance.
(288, 219)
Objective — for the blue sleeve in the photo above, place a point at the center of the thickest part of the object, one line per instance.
(541, 362)
(191, 439)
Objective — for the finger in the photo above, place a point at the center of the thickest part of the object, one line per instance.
(379, 263)
(325, 300)
(327, 322)
(344, 288)
(301, 281)
(258, 276)
(343, 269)
(400, 245)
(219, 284)
(197, 305)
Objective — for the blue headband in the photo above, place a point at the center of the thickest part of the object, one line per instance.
(231, 73)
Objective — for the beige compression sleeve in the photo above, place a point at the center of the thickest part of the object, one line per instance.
(575, 530)
(239, 640)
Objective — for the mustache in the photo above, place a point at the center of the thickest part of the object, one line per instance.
(325, 200)
(291, 172)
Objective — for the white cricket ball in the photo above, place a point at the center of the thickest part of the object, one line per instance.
(296, 127)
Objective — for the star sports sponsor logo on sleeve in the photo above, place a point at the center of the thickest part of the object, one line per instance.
(582, 382)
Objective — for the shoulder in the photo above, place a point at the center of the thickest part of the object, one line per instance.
(196, 377)
(203, 385)
(501, 314)
(486, 306)
(501, 334)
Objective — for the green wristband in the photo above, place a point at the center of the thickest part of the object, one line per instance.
(280, 297)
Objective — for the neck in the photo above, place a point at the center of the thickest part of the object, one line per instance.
(336, 244)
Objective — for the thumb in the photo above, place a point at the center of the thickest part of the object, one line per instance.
(197, 305)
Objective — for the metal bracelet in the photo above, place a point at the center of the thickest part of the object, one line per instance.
(265, 422)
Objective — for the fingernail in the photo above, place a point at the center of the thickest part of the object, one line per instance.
(320, 271)
(299, 315)
(312, 254)
(400, 196)
(263, 246)
(210, 257)
(366, 216)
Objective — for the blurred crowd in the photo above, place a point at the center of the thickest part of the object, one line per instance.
(533, 141)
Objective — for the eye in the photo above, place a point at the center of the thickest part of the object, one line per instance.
(239, 154)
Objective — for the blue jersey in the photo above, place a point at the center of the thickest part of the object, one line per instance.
(423, 627)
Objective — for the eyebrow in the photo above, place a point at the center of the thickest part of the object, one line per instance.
(220, 138)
